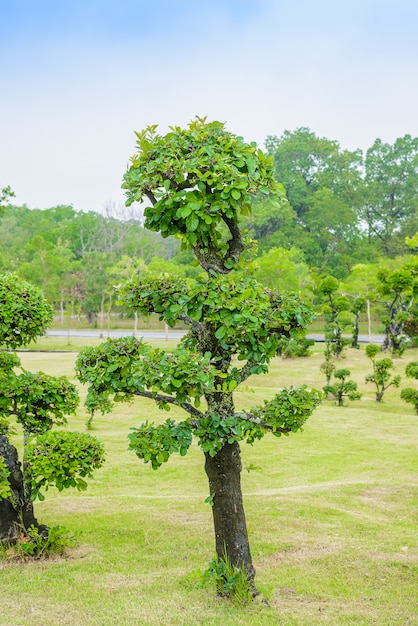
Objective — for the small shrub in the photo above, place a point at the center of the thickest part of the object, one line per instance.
(36, 544)
(342, 388)
(409, 394)
(231, 582)
(328, 368)
(292, 347)
(5, 490)
(381, 376)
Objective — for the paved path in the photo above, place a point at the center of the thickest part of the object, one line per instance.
(170, 334)
(104, 334)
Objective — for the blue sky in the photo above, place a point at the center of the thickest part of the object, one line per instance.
(79, 76)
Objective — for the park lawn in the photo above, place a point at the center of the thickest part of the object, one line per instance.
(331, 512)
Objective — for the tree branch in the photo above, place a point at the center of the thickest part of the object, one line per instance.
(235, 245)
(150, 197)
(253, 419)
(159, 397)
(190, 322)
(212, 260)
(245, 371)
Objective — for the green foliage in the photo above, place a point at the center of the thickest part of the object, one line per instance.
(399, 288)
(244, 318)
(24, 312)
(338, 317)
(200, 180)
(215, 431)
(411, 370)
(5, 490)
(33, 544)
(37, 400)
(288, 410)
(391, 180)
(372, 350)
(8, 361)
(342, 388)
(121, 368)
(294, 347)
(329, 286)
(156, 444)
(230, 581)
(283, 269)
(409, 394)
(381, 376)
(323, 186)
(62, 459)
(5, 194)
(328, 367)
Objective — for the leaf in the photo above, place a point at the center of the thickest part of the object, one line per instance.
(192, 222)
(220, 333)
(210, 499)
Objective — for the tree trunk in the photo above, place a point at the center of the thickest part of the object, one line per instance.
(369, 322)
(224, 474)
(16, 512)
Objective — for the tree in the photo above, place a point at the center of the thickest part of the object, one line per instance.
(342, 387)
(323, 185)
(199, 181)
(399, 287)
(390, 206)
(284, 269)
(337, 315)
(5, 194)
(361, 287)
(37, 402)
(381, 376)
(409, 394)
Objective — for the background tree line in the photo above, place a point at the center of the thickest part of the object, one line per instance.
(348, 215)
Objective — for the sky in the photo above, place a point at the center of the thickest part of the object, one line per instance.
(78, 77)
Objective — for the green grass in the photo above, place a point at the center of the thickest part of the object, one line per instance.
(331, 512)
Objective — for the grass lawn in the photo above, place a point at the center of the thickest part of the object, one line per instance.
(331, 512)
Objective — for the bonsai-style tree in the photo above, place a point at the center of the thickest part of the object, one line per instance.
(409, 394)
(338, 316)
(36, 401)
(399, 288)
(342, 387)
(328, 367)
(357, 306)
(199, 181)
(382, 375)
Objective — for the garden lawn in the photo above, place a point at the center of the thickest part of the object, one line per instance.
(331, 512)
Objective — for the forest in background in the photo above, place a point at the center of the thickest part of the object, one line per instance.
(342, 213)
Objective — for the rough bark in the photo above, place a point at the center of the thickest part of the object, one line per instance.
(16, 512)
(224, 474)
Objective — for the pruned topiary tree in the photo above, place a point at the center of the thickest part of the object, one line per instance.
(410, 394)
(36, 401)
(399, 288)
(382, 372)
(338, 317)
(342, 387)
(199, 181)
